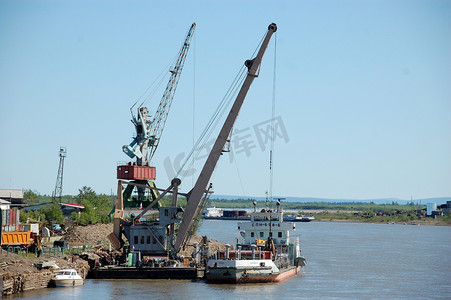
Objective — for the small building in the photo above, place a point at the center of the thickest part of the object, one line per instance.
(69, 208)
(430, 207)
(15, 197)
(4, 204)
(447, 209)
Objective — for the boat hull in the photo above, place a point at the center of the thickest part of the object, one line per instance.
(67, 282)
(239, 275)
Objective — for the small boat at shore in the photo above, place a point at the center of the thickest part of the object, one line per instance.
(258, 260)
(67, 277)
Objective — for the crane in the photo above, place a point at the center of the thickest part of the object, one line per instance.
(195, 195)
(148, 133)
(162, 233)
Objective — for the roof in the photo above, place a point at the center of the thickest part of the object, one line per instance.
(73, 205)
(17, 194)
(4, 201)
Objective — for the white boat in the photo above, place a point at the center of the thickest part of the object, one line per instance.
(213, 212)
(67, 277)
(266, 252)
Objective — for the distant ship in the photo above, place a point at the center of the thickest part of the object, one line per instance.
(299, 218)
(266, 252)
(213, 212)
(219, 214)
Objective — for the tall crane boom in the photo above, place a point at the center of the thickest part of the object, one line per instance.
(161, 114)
(149, 132)
(195, 195)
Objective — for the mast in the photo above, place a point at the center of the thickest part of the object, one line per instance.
(56, 197)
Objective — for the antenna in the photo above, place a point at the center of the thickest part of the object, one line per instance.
(59, 179)
(279, 204)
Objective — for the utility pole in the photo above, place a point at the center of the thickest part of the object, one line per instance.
(56, 196)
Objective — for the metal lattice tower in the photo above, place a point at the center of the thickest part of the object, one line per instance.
(56, 197)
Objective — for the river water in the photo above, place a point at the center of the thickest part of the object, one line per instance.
(345, 260)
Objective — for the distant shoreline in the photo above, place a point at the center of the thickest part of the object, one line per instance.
(431, 222)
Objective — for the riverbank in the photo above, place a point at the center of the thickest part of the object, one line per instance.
(23, 272)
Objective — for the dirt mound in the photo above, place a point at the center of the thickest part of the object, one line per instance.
(89, 235)
(93, 235)
(197, 240)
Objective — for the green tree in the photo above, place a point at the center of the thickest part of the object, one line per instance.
(89, 216)
(31, 197)
(97, 207)
(52, 214)
(86, 193)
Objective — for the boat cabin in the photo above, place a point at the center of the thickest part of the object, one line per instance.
(264, 224)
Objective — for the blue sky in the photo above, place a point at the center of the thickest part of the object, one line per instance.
(362, 90)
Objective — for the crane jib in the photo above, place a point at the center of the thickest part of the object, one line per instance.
(148, 133)
(195, 195)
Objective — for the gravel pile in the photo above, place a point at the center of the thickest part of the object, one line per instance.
(89, 235)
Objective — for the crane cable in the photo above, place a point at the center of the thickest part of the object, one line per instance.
(194, 96)
(154, 86)
(203, 139)
(273, 130)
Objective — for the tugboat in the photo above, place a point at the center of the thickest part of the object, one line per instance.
(266, 252)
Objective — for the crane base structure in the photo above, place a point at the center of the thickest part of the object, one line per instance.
(139, 176)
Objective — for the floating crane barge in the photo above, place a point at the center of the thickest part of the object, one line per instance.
(154, 245)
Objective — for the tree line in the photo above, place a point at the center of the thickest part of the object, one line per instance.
(97, 207)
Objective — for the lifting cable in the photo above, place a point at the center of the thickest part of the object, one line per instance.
(155, 85)
(225, 103)
(208, 130)
(194, 96)
(238, 172)
(273, 130)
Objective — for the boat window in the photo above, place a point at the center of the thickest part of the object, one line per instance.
(142, 239)
(270, 234)
(154, 241)
(136, 239)
(261, 233)
(60, 273)
(262, 264)
(66, 273)
(148, 239)
(279, 234)
(252, 234)
(73, 273)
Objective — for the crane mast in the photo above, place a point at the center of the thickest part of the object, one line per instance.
(56, 196)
